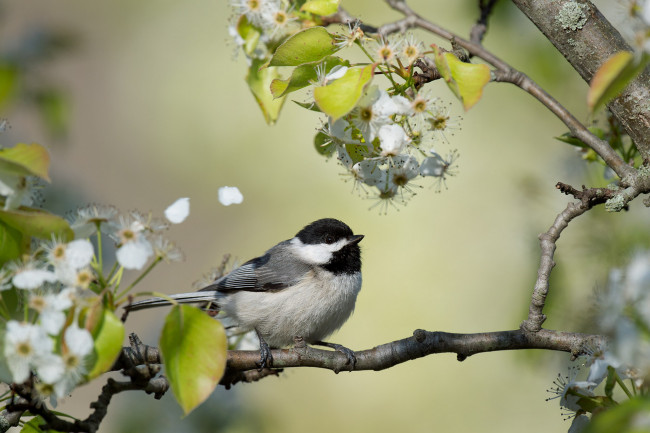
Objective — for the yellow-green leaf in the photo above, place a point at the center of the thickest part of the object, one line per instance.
(307, 46)
(14, 244)
(37, 223)
(321, 7)
(304, 75)
(25, 160)
(194, 348)
(612, 77)
(466, 80)
(339, 98)
(259, 81)
(108, 343)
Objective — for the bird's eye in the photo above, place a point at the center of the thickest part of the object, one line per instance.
(329, 239)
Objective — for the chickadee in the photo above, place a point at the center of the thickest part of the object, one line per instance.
(302, 287)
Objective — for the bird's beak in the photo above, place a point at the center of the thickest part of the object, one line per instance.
(354, 239)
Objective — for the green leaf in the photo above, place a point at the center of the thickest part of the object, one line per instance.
(466, 80)
(249, 33)
(13, 243)
(613, 76)
(194, 349)
(323, 144)
(622, 418)
(357, 152)
(321, 7)
(307, 46)
(25, 160)
(108, 337)
(33, 426)
(568, 138)
(339, 98)
(259, 81)
(303, 76)
(311, 106)
(37, 223)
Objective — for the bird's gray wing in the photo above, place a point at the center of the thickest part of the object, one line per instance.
(270, 272)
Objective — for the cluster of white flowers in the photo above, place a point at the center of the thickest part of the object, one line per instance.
(272, 17)
(625, 318)
(58, 285)
(54, 290)
(633, 21)
(386, 142)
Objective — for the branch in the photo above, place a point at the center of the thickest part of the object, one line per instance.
(142, 378)
(421, 344)
(587, 47)
(11, 418)
(478, 30)
(505, 73)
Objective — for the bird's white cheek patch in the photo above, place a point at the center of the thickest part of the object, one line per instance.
(316, 254)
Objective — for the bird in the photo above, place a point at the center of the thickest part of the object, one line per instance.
(306, 287)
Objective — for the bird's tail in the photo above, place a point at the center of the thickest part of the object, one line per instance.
(182, 298)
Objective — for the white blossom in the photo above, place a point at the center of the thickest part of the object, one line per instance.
(392, 139)
(135, 254)
(51, 308)
(30, 278)
(24, 344)
(78, 345)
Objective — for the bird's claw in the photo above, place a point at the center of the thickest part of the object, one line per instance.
(266, 358)
(349, 353)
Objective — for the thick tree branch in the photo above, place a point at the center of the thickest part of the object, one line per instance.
(587, 42)
(422, 343)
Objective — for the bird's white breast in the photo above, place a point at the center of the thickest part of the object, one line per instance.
(312, 309)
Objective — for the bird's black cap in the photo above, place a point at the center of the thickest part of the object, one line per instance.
(326, 230)
(347, 260)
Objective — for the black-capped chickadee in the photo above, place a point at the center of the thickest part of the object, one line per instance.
(302, 287)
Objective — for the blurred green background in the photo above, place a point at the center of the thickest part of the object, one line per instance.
(158, 109)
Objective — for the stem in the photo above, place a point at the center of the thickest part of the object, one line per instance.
(100, 255)
(4, 310)
(623, 387)
(142, 275)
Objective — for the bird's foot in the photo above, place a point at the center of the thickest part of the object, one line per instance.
(266, 358)
(349, 353)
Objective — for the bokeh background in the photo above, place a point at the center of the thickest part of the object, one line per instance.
(147, 104)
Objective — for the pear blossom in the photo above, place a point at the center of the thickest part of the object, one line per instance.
(31, 278)
(134, 255)
(24, 344)
(135, 249)
(373, 111)
(51, 308)
(78, 345)
(392, 139)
